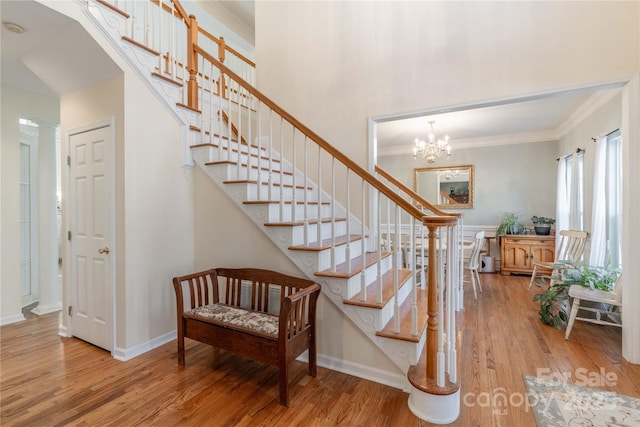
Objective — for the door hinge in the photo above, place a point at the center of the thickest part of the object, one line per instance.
(68, 160)
(69, 310)
(69, 235)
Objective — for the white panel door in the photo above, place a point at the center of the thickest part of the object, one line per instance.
(90, 189)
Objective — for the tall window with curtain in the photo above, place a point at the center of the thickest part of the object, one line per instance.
(606, 242)
(570, 192)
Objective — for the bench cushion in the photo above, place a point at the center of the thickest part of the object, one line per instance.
(255, 322)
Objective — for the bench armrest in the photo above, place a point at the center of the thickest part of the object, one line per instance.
(298, 312)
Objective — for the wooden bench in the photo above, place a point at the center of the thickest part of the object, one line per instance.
(260, 314)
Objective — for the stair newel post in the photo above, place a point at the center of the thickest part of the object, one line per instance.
(192, 63)
(432, 306)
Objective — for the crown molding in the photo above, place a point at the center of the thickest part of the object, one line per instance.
(590, 106)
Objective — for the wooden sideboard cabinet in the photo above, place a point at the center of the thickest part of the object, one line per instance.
(518, 252)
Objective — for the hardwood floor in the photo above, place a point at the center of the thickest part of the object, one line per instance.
(47, 380)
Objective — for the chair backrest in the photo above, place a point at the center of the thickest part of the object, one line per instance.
(572, 244)
(477, 247)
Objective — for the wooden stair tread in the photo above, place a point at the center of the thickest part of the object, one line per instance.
(229, 162)
(235, 150)
(357, 263)
(326, 243)
(275, 184)
(405, 319)
(297, 223)
(404, 275)
(275, 202)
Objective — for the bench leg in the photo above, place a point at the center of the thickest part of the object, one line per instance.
(283, 371)
(313, 366)
(181, 343)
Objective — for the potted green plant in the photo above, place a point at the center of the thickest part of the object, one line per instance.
(553, 300)
(542, 224)
(510, 224)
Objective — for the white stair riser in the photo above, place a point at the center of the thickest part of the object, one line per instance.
(250, 191)
(297, 232)
(354, 284)
(272, 212)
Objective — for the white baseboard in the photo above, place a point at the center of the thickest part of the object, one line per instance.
(124, 354)
(63, 332)
(361, 371)
(12, 319)
(46, 309)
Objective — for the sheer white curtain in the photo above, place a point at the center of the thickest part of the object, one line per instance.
(562, 202)
(576, 200)
(598, 254)
(569, 203)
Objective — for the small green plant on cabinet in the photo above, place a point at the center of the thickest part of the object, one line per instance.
(541, 220)
(510, 224)
(554, 299)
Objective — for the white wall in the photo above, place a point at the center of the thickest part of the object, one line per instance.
(507, 178)
(16, 103)
(335, 64)
(158, 200)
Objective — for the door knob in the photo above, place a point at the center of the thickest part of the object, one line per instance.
(104, 250)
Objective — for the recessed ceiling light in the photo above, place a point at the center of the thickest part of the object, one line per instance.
(14, 28)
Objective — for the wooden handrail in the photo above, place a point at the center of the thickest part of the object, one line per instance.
(415, 196)
(226, 46)
(182, 12)
(356, 168)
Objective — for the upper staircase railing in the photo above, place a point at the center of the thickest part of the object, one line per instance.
(381, 219)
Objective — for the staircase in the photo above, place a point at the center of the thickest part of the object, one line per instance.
(363, 237)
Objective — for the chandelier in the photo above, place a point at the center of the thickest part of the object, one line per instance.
(432, 149)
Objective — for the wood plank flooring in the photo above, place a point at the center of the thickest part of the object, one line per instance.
(47, 380)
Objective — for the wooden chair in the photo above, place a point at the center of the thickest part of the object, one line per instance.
(474, 262)
(572, 244)
(604, 302)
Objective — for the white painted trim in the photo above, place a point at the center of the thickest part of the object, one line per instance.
(12, 319)
(63, 332)
(630, 131)
(124, 354)
(51, 308)
(361, 371)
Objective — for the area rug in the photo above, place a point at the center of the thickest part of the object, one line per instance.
(556, 404)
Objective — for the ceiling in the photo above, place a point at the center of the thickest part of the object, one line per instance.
(48, 58)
